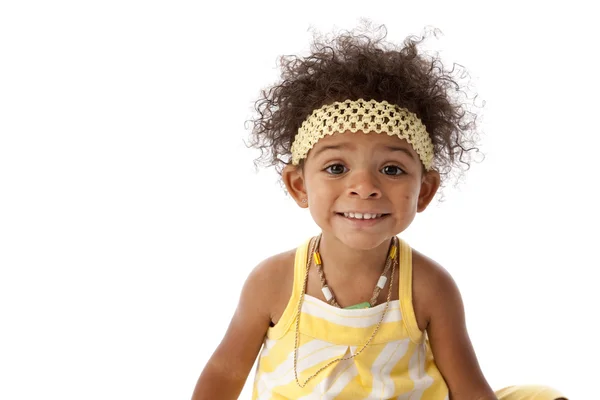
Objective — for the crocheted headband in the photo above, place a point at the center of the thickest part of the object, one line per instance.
(366, 116)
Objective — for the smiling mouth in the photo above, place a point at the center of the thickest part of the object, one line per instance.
(360, 217)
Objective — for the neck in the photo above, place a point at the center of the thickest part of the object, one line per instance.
(339, 258)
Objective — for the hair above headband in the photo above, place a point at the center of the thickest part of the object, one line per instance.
(366, 116)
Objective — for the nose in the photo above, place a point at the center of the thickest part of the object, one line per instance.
(364, 185)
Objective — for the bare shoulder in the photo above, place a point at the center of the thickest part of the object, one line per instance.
(431, 284)
(230, 364)
(439, 309)
(270, 270)
(272, 280)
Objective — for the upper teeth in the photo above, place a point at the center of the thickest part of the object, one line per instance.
(362, 216)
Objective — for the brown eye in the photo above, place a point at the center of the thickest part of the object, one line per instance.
(336, 169)
(392, 170)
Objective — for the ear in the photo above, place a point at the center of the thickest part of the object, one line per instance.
(430, 183)
(293, 178)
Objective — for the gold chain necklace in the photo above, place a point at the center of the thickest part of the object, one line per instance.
(391, 255)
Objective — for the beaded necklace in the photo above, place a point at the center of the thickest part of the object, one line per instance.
(329, 296)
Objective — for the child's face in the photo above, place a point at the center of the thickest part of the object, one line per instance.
(364, 175)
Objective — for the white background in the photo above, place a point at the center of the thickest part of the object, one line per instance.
(131, 213)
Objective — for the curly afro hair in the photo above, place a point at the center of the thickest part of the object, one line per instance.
(352, 66)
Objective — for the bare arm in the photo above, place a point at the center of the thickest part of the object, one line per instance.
(226, 372)
(447, 332)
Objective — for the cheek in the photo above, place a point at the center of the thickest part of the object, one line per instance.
(407, 202)
(407, 193)
(318, 199)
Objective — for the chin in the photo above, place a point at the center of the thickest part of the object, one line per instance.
(363, 240)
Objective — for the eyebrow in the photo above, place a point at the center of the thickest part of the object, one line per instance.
(346, 145)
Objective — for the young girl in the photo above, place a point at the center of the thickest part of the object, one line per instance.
(363, 135)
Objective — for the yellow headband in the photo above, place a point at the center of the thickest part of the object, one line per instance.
(365, 116)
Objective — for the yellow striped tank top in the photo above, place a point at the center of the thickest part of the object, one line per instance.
(397, 364)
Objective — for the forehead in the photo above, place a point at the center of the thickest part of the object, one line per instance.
(361, 141)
